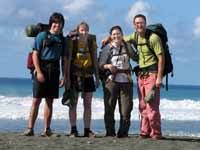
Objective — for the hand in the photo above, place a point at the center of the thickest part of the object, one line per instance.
(61, 82)
(158, 82)
(112, 68)
(105, 41)
(40, 77)
(72, 33)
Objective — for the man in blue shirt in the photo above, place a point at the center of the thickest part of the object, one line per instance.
(48, 49)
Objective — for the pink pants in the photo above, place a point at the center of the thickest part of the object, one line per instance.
(150, 114)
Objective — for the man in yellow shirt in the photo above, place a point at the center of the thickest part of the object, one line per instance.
(149, 79)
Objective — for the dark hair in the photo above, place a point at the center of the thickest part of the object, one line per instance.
(56, 18)
(140, 16)
(116, 27)
(83, 23)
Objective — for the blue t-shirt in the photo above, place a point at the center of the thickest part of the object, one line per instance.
(55, 48)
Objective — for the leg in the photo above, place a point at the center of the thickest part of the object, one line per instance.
(144, 126)
(125, 108)
(110, 99)
(87, 100)
(48, 109)
(34, 112)
(153, 108)
(32, 117)
(73, 117)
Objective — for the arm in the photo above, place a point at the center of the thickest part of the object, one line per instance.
(105, 41)
(159, 51)
(68, 62)
(63, 80)
(160, 70)
(129, 37)
(104, 59)
(96, 68)
(40, 76)
(133, 53)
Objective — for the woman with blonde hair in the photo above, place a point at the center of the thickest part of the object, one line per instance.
(82, 67)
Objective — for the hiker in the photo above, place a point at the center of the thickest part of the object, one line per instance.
(149, 79)
(118, 84)
(48, 49)
(83, 65)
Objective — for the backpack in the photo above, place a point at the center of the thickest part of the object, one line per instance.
(162, 33)
(83, 61)
(33, 31)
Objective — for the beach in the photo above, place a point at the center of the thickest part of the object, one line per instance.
(180, 109)
(14, 141)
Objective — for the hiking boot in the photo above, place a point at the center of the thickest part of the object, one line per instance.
(143, 136)
(110, 135)
(120, 135)
(89, 134)
(157, 137)
(73, 134)
(47, 133)
(28, 132)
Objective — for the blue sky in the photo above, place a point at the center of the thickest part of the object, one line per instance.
(180, 17)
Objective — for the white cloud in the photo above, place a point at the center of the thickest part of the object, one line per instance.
(25, 13)
(101, 16)
(172, 42)
(7, 8)
(196, 30)
(139, 7)
(76, 6)
(182, 60)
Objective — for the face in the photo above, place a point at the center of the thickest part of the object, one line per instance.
(56, 28)
(116, 36)
(83, 31)
(140, 25)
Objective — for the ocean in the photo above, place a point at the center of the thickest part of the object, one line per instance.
(180, 110)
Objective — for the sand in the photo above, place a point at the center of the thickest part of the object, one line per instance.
(15, 141)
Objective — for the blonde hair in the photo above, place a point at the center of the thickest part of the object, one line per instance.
(83, 23)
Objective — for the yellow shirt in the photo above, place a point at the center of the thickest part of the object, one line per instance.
(146, 57)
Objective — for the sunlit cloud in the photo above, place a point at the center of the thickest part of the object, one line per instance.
(77, 6)
(139, 7)
(196, 30)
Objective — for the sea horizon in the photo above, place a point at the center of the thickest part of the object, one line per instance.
(170, 84)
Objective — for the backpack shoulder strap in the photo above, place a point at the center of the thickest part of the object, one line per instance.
(74, 48)
(136, 39)
(91, 39)
(127, 49)
(46, 39)
(44, 42)
(147, 37)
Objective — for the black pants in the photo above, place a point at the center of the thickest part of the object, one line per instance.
(50, 87)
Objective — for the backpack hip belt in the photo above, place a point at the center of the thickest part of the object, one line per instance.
(149, 69)
(126, 71)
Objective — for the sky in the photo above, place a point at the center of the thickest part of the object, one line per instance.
(181, 18)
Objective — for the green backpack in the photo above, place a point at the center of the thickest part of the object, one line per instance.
(162, 33)
(33, 31)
